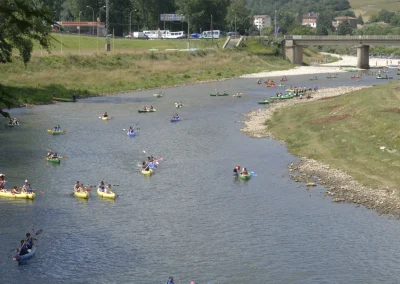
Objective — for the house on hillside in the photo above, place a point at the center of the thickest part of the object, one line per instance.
(310, 19)
(261, 21)
(338, 20)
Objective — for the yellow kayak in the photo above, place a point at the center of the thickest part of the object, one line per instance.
(105, 118)
(17, 195)
(81, 194)
(56, 132)
(110, 195)
(149, 172)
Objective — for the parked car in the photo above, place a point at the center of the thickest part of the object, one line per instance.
(233, 34)
(137, 35)
(195, 35)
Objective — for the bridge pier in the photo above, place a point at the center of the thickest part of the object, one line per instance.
(294, 53)
(363, 56)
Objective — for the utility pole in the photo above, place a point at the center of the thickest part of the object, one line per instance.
(107, 16)
(212, 33)
(275, 31)
(188, 34)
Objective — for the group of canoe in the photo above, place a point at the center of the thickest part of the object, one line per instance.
(292, 92)
(103, 190)
(26, 191)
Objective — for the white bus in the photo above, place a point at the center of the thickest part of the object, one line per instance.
(175, 35)
(211, 34)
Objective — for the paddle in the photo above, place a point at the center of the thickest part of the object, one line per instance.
(159, 159)
(109, 117)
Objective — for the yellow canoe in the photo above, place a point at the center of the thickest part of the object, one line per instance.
(105, 118)
(149, 172)
(18, 195)
(81, 194)
(56, 132)
(110, 195)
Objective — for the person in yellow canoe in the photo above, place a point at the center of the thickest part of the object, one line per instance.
(2, 181)
(77, 186)
(108, 189)
(145, 166)
(15, 190)
(26, 185)
(102, 186)
(105, 114)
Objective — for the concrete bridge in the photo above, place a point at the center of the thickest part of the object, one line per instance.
(293, 45)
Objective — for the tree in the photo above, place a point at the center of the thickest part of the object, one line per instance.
(325, 19)
(21, 23)
(344, 28)
(321, 30)
(237, 12)
(302, 30)
(360, 20)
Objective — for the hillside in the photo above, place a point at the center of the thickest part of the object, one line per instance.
(369, 7)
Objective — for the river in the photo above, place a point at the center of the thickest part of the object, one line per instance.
(191, 219)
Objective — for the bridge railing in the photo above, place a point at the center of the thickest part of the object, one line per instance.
(357, 37)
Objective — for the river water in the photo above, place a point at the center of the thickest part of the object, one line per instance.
(191, 219)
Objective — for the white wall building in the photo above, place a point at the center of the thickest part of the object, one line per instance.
(310, 19)
(261, 21)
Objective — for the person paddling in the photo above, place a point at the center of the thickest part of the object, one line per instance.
(77, 186)
(170, 280)
(15, 190)
(145, 166)
(29, 240)
(105, 114)
(102, 186)
(2, 181)
(23, 249)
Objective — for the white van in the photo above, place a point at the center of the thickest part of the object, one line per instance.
(175, 35)
(137, 35)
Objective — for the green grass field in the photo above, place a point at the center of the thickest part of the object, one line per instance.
(347, 132)
(73, 44)
(369, 7)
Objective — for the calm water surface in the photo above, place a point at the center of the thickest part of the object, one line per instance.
(191, 219)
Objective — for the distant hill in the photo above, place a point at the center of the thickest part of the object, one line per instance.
(369, 7)
(364, 7)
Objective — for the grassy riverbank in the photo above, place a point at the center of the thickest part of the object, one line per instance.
(111, 73)
(347, 132)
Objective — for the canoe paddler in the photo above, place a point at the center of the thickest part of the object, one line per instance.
(2, 181)
(105, 114)
(107, 188)
(77, 186)
(244, 172)
(170, 280)
(145, 166)
(29, 240)
(102, 186)
(15, 190)
(26, 186)
(23, 249)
